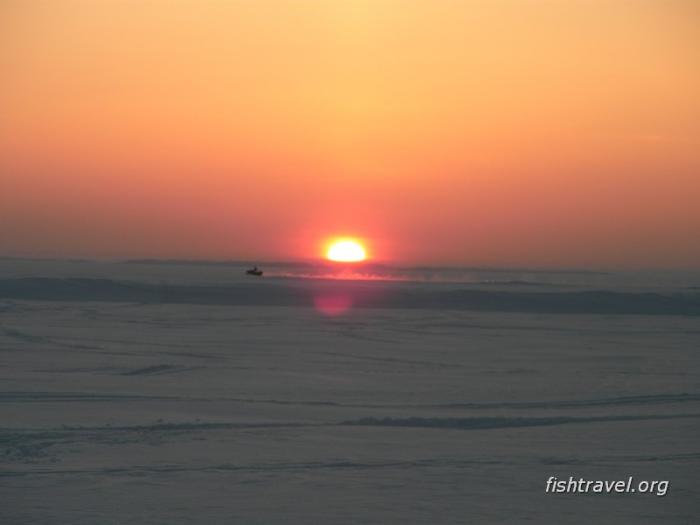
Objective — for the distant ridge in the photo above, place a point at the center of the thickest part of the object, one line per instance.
(360, 294)
(377, 265)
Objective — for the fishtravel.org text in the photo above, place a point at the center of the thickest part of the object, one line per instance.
(624, 486)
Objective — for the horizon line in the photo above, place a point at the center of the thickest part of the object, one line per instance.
(322, 262)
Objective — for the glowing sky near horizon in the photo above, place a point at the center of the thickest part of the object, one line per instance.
(481, 132)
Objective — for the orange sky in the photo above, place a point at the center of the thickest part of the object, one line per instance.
(480, 132)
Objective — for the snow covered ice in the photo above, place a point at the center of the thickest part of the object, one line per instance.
(124, 402)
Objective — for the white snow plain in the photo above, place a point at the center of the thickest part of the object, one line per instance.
(155, 413)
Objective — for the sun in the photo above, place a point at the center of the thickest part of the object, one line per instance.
(346, 250)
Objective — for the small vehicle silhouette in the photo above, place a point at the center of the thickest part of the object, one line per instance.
(254, 271)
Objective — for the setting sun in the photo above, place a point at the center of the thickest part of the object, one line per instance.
(346, 250)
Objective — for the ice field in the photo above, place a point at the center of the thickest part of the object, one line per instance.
(390, 401)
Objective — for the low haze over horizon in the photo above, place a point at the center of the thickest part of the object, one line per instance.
(521, 133)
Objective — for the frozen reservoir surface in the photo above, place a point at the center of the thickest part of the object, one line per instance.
(173, 393)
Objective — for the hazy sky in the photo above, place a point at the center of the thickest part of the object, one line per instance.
(506, 132)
